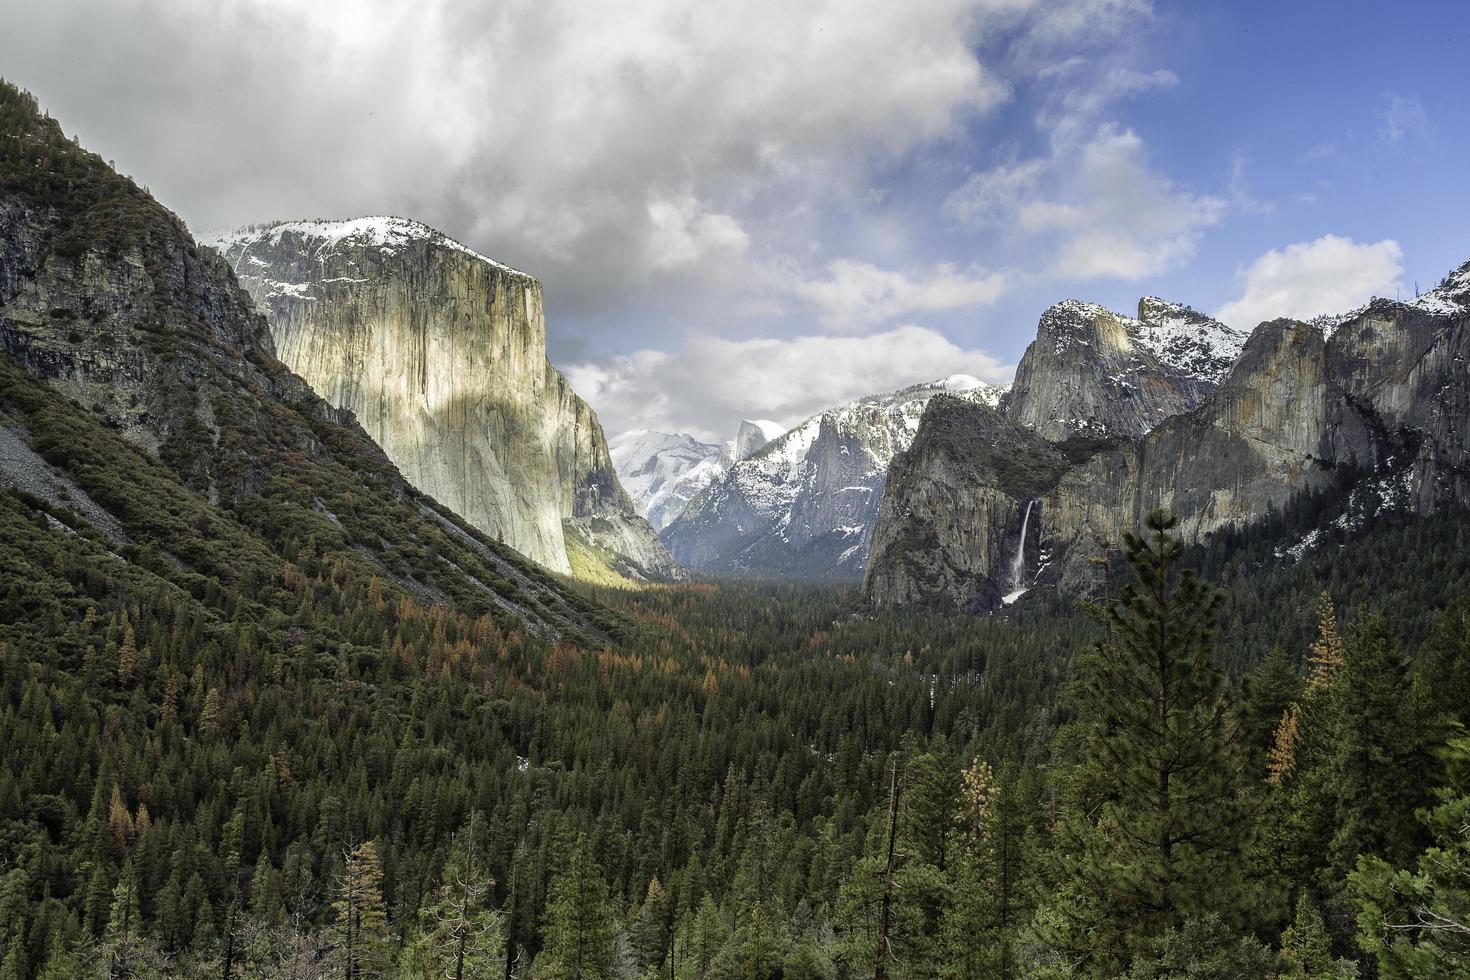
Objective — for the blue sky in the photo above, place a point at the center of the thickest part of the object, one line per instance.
(766, 208)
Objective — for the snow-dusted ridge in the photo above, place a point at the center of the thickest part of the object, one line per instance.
(379, 231)
(804, 504)
(1451, 297)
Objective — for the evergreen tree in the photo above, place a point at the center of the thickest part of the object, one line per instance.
(1416, 920)
(360, 930)
(1163, 844)
(580, 926)
(1306, 949)
(460, 938)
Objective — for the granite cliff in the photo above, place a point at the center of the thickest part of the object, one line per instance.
(440, 354)
(143, 409)
(1374, 404)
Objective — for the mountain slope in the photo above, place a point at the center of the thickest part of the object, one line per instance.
(440, 354)
(1093, 372)
(1377, 412)
(804, 505)
(143, 408)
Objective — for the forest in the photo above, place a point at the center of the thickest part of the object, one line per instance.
(276, 714)
(756, 781)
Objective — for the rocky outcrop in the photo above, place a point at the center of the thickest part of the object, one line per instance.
(1381, 396)
(440, 353)
(803, 506)
(1094, 372)
(961, 517)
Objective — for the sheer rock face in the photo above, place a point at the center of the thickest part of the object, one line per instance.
(440, 353)
(1382, 396)
(803, 505)
(951, 520)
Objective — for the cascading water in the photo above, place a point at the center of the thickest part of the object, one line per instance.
(1018, 564)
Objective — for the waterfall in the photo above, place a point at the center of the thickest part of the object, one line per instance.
(1018, 564)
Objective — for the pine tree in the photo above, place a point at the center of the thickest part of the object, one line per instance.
(1416, 920)
(580, 926)
(1306, 949)
(1163, 844)
(1380, 763)
(651, 928)
(461, 937)
(361, 922)
(989, 877)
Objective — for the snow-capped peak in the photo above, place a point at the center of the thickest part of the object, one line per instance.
(379, 231)
(771, 430)
(1185, 339)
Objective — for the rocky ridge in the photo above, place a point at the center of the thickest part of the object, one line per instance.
(142, 401)
(1381, 397)
(1094, 372)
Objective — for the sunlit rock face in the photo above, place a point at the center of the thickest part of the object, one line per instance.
(1094, 372)
(441, 355)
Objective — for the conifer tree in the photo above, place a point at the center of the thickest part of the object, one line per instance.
(1162, 846)
(1416, 920)
(580, 927)
(461, 937)
(1306, 949)
(360, 929)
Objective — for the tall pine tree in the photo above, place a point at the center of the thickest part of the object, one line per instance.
(1162, 844)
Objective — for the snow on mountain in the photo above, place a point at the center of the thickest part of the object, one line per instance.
(663, 471)
(1451, 297)
(385, 234)
(1186, 340)
(804, 505)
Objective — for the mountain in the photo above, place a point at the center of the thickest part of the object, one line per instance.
(1373, 414)
(663, 471)
(750, 438)
(1094, 372)
(803, 505)
(156, 457)
(440, 354)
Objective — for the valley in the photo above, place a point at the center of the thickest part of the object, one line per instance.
(338, 638)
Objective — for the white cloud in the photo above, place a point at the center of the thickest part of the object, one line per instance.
(992, 196)
(1330, 275)
(684, 233)
(709, 385)
(857, 294)
(598, 144)
(1104, 211)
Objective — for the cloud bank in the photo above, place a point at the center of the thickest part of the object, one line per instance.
(708, 385)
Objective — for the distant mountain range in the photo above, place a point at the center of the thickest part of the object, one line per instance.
(803, 504)
(664, 471)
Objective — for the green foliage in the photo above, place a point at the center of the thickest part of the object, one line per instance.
(1416, 920)
(1154, 835)
(580, 922)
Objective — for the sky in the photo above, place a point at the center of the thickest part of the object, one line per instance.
(766, 208)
